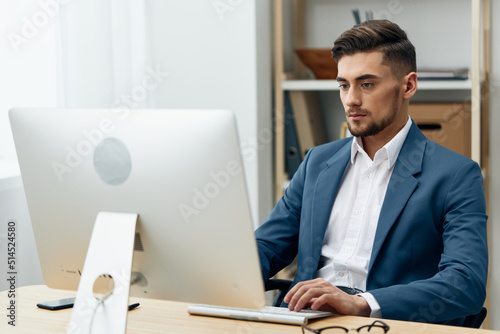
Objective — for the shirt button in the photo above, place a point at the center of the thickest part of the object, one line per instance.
(358, 212)
(341, 274)
(370, 175)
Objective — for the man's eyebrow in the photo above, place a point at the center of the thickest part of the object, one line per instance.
(361, 77)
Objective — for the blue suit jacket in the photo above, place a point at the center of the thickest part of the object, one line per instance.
(429, 260)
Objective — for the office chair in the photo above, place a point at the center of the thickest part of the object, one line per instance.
(475, 320)
(283, 285)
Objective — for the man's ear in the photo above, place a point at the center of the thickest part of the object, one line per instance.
(410, 81)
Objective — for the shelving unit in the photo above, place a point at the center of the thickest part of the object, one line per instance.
(476, 87)
(476, 84)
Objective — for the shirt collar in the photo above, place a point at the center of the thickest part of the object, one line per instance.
(390, 150)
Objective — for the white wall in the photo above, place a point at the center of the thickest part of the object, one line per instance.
(27, 63)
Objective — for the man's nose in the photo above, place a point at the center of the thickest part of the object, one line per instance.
(353, 97)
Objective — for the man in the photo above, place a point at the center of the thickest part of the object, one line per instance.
(388, 212)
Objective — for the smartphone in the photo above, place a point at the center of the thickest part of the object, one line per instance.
(58, 304)
(61, 304)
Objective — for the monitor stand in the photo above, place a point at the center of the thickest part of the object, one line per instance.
(110, 253)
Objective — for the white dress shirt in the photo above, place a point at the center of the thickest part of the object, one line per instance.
(348, 241)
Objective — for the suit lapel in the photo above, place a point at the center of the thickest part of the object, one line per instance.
(326, 189)
(401, 186)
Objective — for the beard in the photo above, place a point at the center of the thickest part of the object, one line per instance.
(359, 129)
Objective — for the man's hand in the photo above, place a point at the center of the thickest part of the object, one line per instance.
(319, 294)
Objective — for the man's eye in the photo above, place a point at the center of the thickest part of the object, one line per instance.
(367, 84)
(343, 86)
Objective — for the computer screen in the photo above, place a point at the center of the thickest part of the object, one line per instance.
(180, 170)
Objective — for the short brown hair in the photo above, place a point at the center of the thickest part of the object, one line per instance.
(379, 35)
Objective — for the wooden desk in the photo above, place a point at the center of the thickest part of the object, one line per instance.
(157, 316)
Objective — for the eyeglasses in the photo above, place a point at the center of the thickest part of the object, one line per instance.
(377, 327)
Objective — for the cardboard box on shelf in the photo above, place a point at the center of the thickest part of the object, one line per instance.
(448, 124)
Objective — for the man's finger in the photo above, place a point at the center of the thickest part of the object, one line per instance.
(308, 297)
(289, 296)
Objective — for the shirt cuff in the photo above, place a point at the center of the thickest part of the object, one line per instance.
(372, 302)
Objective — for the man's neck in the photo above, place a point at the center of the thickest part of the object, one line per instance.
(372, 144)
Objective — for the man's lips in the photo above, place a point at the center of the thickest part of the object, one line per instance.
(356, 116)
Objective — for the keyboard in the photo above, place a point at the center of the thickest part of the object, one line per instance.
(267, 314)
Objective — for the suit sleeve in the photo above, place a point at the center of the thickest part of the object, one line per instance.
(459, 287)
(277, 237)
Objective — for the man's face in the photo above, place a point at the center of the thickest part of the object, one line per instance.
(371, 95)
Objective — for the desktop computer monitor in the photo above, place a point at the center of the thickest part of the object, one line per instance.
(180, 170)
